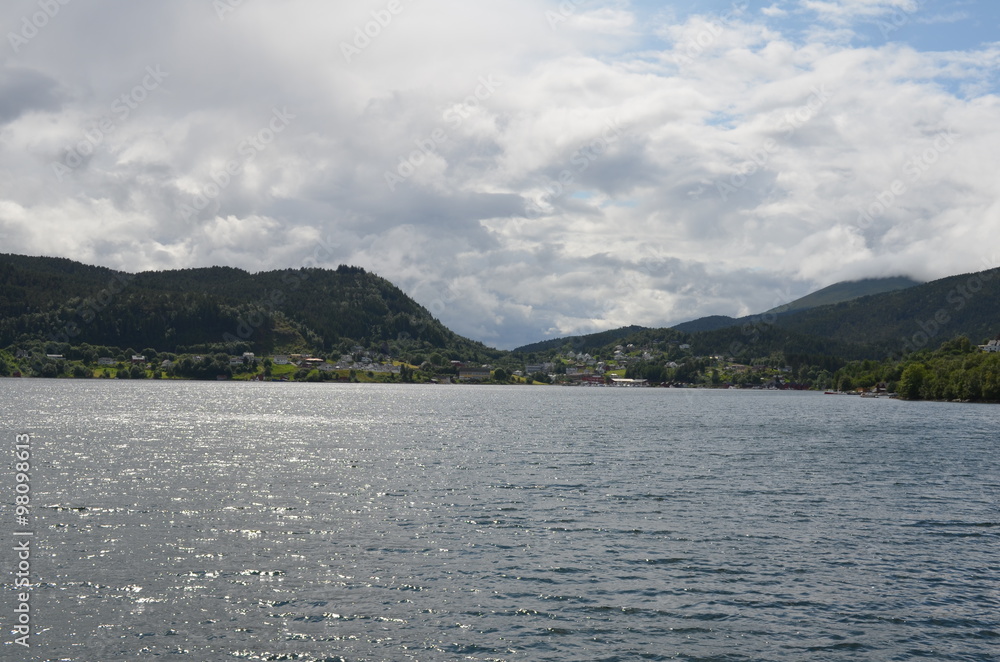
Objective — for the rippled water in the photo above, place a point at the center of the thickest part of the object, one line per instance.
(211, 521)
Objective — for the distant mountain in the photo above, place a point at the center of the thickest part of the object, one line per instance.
(898, 315)
(869, 326)
(52, 300)
(711, 323)
(583, 343)
(837, 293)
(214, 309)
(847, 291)
(908, 319)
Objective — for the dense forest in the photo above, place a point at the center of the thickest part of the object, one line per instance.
(831, 295)
(908, 320)
(63, 303)
(957, 370)
(878, 326)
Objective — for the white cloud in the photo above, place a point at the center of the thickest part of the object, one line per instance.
(850, 10)
(620, 137)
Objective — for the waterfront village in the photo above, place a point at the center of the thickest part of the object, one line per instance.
(367, 365)
(660, 364)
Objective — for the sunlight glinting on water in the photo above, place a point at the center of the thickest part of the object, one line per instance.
(344, 522)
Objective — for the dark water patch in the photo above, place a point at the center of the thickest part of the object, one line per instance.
(851, 647)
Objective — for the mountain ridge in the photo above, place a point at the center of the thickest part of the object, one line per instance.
(830, 295)
(214, 308)
(57, 300)
(867, 327)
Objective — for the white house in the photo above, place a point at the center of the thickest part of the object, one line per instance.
(280, 360)
(991, 346)
(105, 360)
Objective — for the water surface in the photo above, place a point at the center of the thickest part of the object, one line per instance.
(224, 521)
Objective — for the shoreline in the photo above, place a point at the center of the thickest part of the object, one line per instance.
(475, 383)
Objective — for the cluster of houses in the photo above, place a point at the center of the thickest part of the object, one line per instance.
(578, 367)
(484, 373)
(365, 362)
(137, 359)
(583, 369)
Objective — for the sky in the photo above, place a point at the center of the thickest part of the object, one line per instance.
(523, 169)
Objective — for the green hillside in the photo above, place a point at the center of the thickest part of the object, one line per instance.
(215, 309)
(710, 323)
(873, 326)
(847, 291)
(910, 319)
(580, 343)
(48, 305)
(837, 293)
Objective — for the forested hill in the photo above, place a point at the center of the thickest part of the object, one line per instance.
(875, 326)
(847, 291)
(910, 319)
(222, 309)
(834, 294)
(580, 343)
(870, 327)
(217, 308)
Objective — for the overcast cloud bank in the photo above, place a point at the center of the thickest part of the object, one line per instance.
(524, 169)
